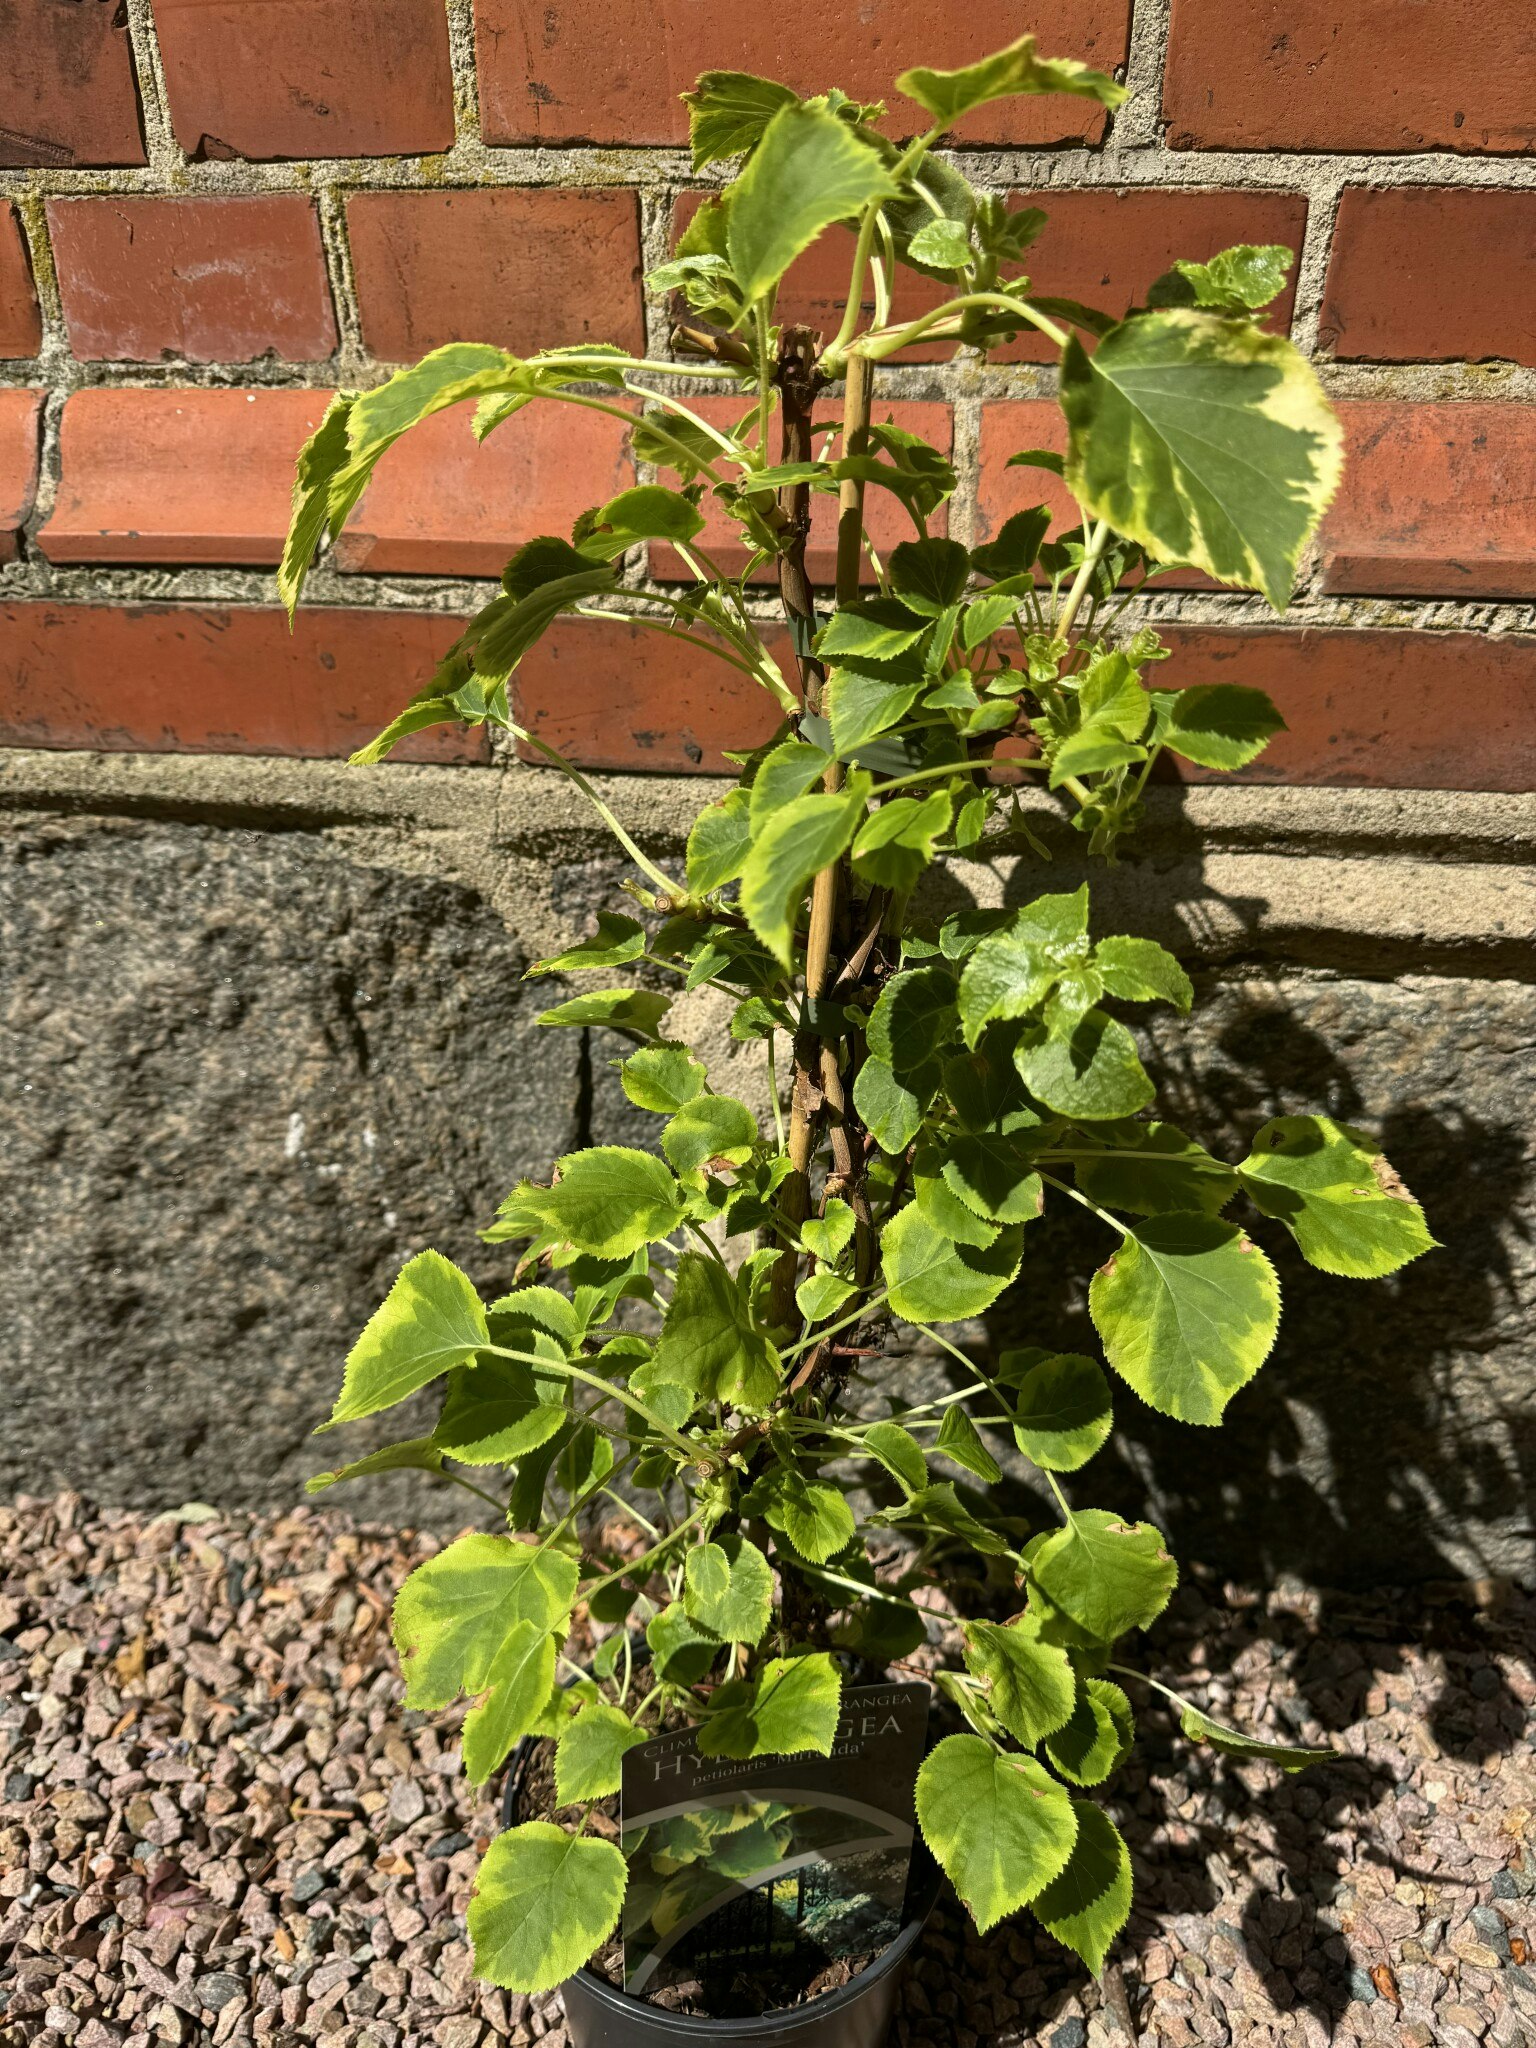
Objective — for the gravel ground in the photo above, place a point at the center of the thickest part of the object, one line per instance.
(219, 1825)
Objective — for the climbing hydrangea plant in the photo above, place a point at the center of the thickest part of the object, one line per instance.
(949, 1080)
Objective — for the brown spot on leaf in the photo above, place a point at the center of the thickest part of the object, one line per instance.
(1245, 1243)
(1108, 1266)
(1389, 1180)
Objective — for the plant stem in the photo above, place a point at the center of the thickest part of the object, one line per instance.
(695, 1454)
(646, 1557)
(1080, 583)
(645, 866)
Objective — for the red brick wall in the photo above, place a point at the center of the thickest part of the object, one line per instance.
(213, 211)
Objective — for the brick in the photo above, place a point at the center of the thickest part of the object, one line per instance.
(611, 70)
(885, 517)
(622, 697)
(1376, 709)
(1425, 273)
(177, 476)
(20, 428)
(21, 330)
(197, 679)
(67, 91)
(526, 269)
(439, 504)
(1436, 502)
(307, 78)
(211, 280)
(1388, 75)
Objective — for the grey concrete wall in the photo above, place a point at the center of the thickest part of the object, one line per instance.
(263, 1034)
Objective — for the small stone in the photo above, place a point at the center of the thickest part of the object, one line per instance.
(1071, 2034)
(308, 1885)
(218, 1988)
(407, 1801)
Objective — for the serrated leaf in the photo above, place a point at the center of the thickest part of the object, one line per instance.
(455, 1611)
(899, 1452)
(898, 843)
(790, 1708)
(418, 1454)
(1153, 1169)
(960, 1440)
(645, 512)
(321, 459)
(431, 1320)
(929, 575)
(1089, 1903)
(719, 842)
(942, 245)
(709, 1343)
(822, 1294)
(1106, 1574)
(609, 1201)
(808, 170)
(784, 773)
(1220, 725)
(1342, 1202)
(625, 1009)
(999, 1825)
(813, 1516)
(681, 1651)
(1031, 1687)
(544, 1902)
(831, 1233)
(991, 1173)
(1094, 1073)
(1141, 971)
(913, 1018)
(865, 697)
(728, 112)
(879, 629)
(496, 1412)
(933, 1280)
(616, 940)
(1241, 279)
(662, 1078)
(710, 1127)
(1206, 440)
(1290, 1757)
(1187, 1309)
(1062, 1412)
(795, 844)
(950, 94)
(1012, 553)
(1086, 1749)
(939, 1506)
(521, 1676)
(892, 1112)
(728, 1589)
(590, 1752)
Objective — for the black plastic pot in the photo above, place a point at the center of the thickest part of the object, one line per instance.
(857, 2015)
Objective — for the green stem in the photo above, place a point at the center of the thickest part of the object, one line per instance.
(952, 768)
(582, 611)
(1065, 1188)
(820, 1336)
(646, 1557)
(864, 1592)
(861, 249)
(469, 1487)
(645, 866)
(695, 1454)
(1091, 553)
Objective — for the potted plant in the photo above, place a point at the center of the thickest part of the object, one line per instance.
(703, 1324)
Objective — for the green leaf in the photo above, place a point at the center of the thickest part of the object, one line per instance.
(1086, 1749)
(899, 1452)
(454, 1613)
(1201, 1728)
(1063, 1413)
(942, 245)
(1094, 1073)
(1241, 279)
(897, 844)
(1014, 552)
(1086, 1907)
(662, 1078)
(321, 459)
(669, 441)
(728, 1589)
(608, 1201)
(521, 1677)
(710, 1127)
(645, 512)
(719, 842)
(792, 1707)
(1106, 1574)
(949, 94)
(783, 774)
(616, 940)
(864, 697)
(822, 1294)
(1220, 725)
(1205, 440)
(959, 1439)
(416, 717)
(831, 1233)
(709, 1343)
(728, 112)
(496, 1412)
(880, 628)
(1036, 458)
(892, 1113)
(1188, 1309)
(1030, 1683)
(681, 1651)
(992, 1175)
(418, 1454)
(1091, 753)
(999, 1825)
(1012, 971)
(1141, 971)
(914, 1016)
(545, 559)
(929, 575)
(625, 1009)
(430, 1321)
(590, 1752)
(940, 1507)
(795, 844)
(544, 1902)
(1154, 1170)
(932, 1280)
(814, 1517)
(944, 1209)
(1339, 1198)
(808, 170)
